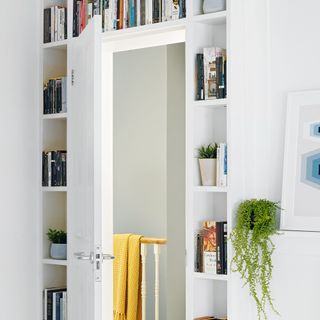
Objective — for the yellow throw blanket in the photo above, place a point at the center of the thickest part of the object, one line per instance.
(126, 277)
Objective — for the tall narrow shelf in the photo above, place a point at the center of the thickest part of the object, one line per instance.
(207, 122)
(53, 136)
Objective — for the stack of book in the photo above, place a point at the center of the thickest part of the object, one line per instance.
(211, 248)
(54, 168)
(54, 24)
(55, 96)
(211, 73)
(222, 165)
(122, 14)
(55, 304)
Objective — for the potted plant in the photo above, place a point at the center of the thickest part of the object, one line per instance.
(253, 248)
(208, 164)
(58, 249)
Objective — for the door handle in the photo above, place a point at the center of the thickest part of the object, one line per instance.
(107, 256)
(83, 256)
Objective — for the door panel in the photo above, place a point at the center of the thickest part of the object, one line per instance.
(84, 176)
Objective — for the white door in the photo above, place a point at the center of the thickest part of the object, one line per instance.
(89, 289)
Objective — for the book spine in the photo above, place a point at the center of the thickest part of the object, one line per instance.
(64, 168)
(64, 94)
(54, 306)
(138, 11)
(219, 236)
(56, 23)
(200, 77)
(65, 23)
(52, 24)
(49, 169)
(49, 305)
(61, 316)
(199, 253)
(121, 14)
(64, 297)
(58, 296)
(218, 167)
(225, 247)
(53, 169)
(46, 23)
(44, 169)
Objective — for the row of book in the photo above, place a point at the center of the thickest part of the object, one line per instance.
(211, 248)
(122, 14)
(55, 24)
(54, 168)
(83, 11)
(55, 304)
(211, 74)
(222, 165)
(55, 96)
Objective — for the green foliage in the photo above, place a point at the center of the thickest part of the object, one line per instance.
(57, 236)
(208, 152)
(253, 248)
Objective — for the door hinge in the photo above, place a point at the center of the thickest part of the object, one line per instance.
(72, 77)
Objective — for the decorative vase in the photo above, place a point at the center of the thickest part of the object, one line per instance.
(208, 171)
(210, 6)
(58, 251)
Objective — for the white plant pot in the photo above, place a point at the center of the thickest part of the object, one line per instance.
(213, 5)
(208, 171)
(58, 251)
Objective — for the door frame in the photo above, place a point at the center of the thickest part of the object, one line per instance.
(113, 42)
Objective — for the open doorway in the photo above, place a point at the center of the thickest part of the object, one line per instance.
(149, 162)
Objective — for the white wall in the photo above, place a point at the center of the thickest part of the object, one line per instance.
(278, 52)
(18, 169)
(149, 162)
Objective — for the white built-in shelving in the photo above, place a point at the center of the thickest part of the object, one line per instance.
(54, 262)
(206, 122)
(210, 189)
(55, 116)
(209, 276)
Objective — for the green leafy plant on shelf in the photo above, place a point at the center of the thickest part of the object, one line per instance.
(253, 249)
(208, 152)
(57, 236)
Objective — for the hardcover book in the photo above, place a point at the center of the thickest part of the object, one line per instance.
(209, 247)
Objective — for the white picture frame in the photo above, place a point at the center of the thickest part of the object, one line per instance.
(301, 171)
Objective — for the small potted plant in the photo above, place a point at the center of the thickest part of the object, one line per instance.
(253, 249)
(208, 164)
(58, 239)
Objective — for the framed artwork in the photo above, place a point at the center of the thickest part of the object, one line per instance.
(301, 172)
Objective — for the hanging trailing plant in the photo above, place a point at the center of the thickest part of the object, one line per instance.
(253, 248)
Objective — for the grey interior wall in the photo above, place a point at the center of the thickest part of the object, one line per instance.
(149, 161)
(140, 118)
(176, 181)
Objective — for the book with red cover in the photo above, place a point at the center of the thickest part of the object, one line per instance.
(209, 247)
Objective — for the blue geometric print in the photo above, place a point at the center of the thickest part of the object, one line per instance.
(315, 130)
(311, 168)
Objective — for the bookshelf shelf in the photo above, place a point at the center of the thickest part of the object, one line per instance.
(54, 116)
(210, 189)
(211, 103)
(55, 262)
(54, 189)
(207, 276)
(56, 45)
(150, 28)
(214, 18)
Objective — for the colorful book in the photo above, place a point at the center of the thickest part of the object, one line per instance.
(209, 247)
